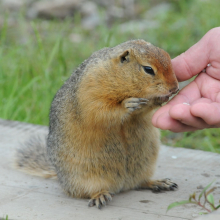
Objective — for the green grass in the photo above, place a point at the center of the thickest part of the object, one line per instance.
(207, 139)
(6, 218)
(36, 57)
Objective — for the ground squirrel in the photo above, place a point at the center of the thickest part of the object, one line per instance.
(101, 140)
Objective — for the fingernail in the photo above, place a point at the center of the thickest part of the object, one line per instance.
(186, 103)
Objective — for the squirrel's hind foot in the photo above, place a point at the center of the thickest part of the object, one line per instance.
(100, 199)
(160, 185)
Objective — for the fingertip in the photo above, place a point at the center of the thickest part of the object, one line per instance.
(158, 113)
(171, 118)
(158, 118)
(180, 68)
(180, 111)
(164, 121)
(154, 119)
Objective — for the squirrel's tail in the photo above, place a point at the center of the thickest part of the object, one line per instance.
(32, 158)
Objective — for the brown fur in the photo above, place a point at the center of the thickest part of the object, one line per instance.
(101, 140)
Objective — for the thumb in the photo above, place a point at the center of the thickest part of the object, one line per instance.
(196, 58)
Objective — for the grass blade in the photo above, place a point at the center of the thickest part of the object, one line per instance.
(14, 97)
(175, 204)
(53, 54)
(3, 33)
(210, 198)
(200, 195)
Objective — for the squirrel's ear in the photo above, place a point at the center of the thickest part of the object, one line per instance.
(124, 57)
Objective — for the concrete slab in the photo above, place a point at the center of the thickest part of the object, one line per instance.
(31, 198)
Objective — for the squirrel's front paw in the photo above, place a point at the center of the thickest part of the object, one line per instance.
(132, 104)
(100, 199)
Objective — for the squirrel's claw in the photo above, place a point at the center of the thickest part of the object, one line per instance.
(164, 184)
(100, 200)
(91, 202)
(160, 185)
(132, 104)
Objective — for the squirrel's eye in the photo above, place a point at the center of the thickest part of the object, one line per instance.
(149, 70)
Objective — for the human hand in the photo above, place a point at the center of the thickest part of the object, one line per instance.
(197, 106)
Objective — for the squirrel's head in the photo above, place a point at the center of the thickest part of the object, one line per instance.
(143, 70)
(133, 69)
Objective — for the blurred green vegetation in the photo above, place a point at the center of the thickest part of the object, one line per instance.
(37, 56)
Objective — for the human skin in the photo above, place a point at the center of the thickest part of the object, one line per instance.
(197, 106)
